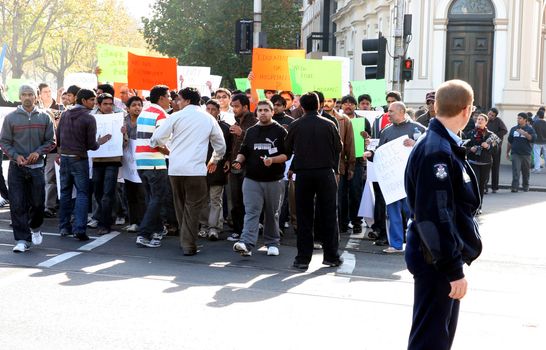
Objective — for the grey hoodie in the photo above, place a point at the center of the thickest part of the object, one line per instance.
(24, 133)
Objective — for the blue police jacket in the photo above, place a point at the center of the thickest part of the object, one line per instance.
(442, 193)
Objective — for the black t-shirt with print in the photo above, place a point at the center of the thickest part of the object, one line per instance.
(261, 141)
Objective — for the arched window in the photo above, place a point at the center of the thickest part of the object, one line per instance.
(482, 8)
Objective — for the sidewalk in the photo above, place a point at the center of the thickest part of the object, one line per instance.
(537, 182)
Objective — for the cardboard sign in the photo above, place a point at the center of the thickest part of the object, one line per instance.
(109, 124)
(242, 84)
(113, 61)
(315, 75)
(390, 166)
(144, 72)
(345, 72)
(270, 68)
(83, 80)
(375, 88)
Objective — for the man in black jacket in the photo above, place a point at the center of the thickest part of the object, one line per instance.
(443, 234)
(496, 126)
(314, 164)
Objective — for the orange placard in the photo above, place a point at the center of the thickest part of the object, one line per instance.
(270, 68)
(144, 72)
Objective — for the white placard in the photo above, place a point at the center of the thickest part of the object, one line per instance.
(196, 77)
(83, 80)
(215, 80)
(58, 180)
(129, 168)
(345, 72)
(370, 174)
(390, 165)
(109, 124)
(367, 203)
(370, 115)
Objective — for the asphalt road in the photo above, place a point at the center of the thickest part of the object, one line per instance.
(109, 294)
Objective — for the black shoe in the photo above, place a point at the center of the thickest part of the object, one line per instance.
(333, 263)
(357, 229)
(300, 266)
(102, 231)
(514, 190)
(190, 252)
(381, 243)
(81, 236)
(65, 233)
(48, 213)
(526, 189)
(343, 229)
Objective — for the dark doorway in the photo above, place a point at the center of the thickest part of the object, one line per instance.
(470, 35)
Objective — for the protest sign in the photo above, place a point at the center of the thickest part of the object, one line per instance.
(128, 164)
(144, 72)
(375, 88)
(359, 125)
(3, 56)
(58, 181)
(345, 72)
(109, 124)
(113, 61)
(195, 77)
(83, 80)
(389, 163)
(228, 117)
(12, 87)
(215, 81)
(270, 68)
(242, 84)
(315, 75)
(367, 202)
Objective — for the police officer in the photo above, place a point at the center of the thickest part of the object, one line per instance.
(443, 198)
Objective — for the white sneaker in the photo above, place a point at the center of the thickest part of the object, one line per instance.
(93, 223)
(132, 228)
(272, 250)
(21, 247)
(392, 250)
(234, 237)
(286, 225)
(213, 235)
(120, 221)
(203, 233)
(158, 235)
(241, 248)
(37, 237)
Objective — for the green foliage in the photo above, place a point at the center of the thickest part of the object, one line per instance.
(202, 33)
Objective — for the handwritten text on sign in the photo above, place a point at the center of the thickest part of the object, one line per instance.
(270, 68)
(109, 124)
(128, 168)
(315, 75)
(390, 165)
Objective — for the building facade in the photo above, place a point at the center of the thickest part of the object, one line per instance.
(498, 46)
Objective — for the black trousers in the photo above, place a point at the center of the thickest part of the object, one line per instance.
(237, 205)
(495, 168)
(379, 212)
(319, 184)
(482, 174)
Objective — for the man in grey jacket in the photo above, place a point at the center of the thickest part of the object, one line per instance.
(27, 136)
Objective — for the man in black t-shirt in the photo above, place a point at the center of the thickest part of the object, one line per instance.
(263, 154)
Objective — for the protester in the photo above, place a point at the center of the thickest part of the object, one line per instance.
(364, 102)
(496, 126)
(288, 97)
(263, 155)
(314, 164)
(211, 218)
(27, 136)
(280, 114)
(443, 197)
(431, 113)
(244, 120)
(520, 139)
(119, 106)
(481, 146)
(539, 146)
(71, 94)
(76, 134)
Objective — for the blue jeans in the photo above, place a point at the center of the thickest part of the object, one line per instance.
(74, 172)
(396, 224)
(26, 196)
(156, 184)
(349, 196)
(105, 179)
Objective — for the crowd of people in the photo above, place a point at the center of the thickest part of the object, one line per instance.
(214, 168)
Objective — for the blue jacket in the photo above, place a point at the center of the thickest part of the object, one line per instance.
(443, 198)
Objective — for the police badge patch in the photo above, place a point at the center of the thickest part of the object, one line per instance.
(440, 171)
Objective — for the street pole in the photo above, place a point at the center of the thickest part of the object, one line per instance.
(257, 22)
(398, 82)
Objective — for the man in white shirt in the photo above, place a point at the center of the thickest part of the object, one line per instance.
(190, 130)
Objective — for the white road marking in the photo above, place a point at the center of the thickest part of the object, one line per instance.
(99, 241)
(87, 247)
(46, 233)
(99, 267)
(58, 259)
(349, 263)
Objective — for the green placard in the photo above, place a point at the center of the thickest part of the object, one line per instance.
(242, 84)
(261, 94)
(112, 61)
(13, 86)
(315, 75)
(375, 88)
(359, 125)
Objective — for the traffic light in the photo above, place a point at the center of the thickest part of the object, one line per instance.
(374, 52)
(407, 69)
(244, 30)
